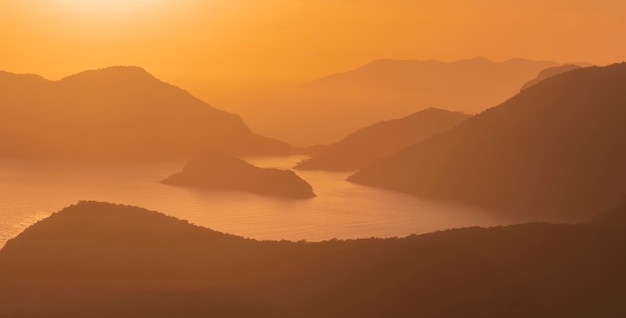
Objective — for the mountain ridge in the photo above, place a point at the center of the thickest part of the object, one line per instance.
(567, 131)
(550, 72)
(369, 144)
(119, 112)
(383, 90)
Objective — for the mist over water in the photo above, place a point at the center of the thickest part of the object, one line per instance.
(32, 191)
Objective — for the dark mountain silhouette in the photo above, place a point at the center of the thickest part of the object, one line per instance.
(218, 170)
(549, 72)
(558, 147)
(325, 110)
(367, 145)
(117, 112)
(103, 260)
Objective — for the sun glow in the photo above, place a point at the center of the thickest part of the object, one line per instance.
(108, 5)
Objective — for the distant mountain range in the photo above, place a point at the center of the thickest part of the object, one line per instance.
(367, 145)
(213, 169)
(116, 112)
(325, 110)
(558, 147)
(103, 260)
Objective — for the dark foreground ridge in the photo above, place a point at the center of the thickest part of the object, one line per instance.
(104, 260)
(214, 169)
(557, 148)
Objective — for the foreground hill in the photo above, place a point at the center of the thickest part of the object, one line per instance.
(558, 147)
(117, 112)
(325, 110)
(214, 169)
(367, 145)
(103, 260)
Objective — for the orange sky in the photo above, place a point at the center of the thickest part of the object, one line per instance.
(213, 42)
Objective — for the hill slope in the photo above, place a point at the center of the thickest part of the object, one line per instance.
(116, 112)
(102, 260)
(367, 145)
(557, 147)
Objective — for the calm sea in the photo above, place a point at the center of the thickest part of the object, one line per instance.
(31, 191)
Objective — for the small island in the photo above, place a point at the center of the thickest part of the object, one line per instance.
(214, 169)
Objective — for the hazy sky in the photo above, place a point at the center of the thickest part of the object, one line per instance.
(272, 40)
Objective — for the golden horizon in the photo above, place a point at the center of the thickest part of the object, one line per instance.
(289, 41)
